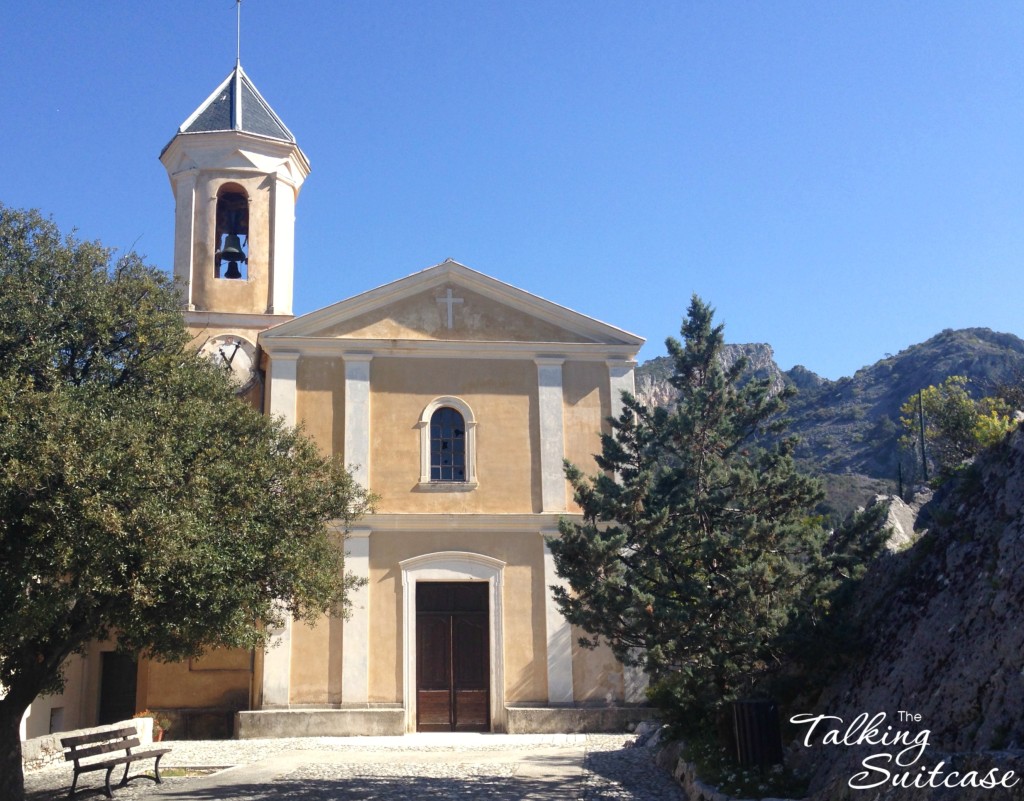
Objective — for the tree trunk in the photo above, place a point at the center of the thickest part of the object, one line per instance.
(12, 778)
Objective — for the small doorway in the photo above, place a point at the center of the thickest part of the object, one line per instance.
(452, 662)
(118, 677)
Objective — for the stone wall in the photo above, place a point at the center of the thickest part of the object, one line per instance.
(670, 758)
(42, 751)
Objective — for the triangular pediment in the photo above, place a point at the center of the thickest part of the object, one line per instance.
(451, 302)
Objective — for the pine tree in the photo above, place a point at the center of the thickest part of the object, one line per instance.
(697, 546)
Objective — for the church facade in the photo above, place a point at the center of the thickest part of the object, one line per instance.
(453, 397)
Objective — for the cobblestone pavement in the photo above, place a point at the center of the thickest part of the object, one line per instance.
(592, 767)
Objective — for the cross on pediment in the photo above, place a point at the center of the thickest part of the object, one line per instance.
(450, 302)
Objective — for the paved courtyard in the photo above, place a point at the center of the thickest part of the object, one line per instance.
(566, 767)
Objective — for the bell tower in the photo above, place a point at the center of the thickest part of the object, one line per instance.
(235, 170)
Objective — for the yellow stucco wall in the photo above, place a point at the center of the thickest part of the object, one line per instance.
(316, 662)
(320, 402)
(585, 395)
(596, 673)
(523, 610)
(221, 679)
(503, 397)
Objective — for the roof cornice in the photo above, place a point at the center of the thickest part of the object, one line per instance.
(309, 324)
(444, 348)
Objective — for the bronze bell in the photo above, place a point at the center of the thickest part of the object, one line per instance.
(233, 254)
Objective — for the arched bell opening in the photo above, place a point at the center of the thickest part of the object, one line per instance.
(232, 254)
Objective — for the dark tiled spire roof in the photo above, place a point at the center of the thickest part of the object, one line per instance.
(236, 105)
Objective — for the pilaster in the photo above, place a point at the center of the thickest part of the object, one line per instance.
(559, 633)
(620, 379)
(357, 416)
(277, 666)
(283, 372)
(552, 433)
(282, 255)
(355, 649)
(184, 185)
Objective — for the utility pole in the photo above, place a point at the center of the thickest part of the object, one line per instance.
(920, 412)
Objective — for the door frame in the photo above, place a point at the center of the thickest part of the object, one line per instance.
(453, 566)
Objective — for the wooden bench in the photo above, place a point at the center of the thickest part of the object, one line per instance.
(110, 741)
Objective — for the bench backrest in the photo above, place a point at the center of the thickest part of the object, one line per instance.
(108, 740)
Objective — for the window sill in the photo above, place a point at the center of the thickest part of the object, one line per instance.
(446, 486)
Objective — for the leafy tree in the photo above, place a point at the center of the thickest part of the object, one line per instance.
(697, 548)
(956, 426)
(139, 497)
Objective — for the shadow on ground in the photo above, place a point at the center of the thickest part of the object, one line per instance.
(620, 775)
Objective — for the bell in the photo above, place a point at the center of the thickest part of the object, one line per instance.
(232, 253)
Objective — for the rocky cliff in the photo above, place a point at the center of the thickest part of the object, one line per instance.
(944, 627)
(653, 389)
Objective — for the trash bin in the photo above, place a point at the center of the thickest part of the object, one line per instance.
(758, 736)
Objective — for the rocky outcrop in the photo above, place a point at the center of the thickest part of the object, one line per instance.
(944, 627)
(653, 389)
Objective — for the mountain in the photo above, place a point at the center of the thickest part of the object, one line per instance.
(851, 427)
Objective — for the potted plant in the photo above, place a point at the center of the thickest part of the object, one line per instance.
(161, 723)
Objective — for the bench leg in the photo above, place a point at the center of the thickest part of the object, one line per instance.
(156, 769)
(124, 779)
(109, 792)
(74, 783)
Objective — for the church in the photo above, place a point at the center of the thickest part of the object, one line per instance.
(452, 396)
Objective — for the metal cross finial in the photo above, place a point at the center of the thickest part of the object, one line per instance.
(238, 32)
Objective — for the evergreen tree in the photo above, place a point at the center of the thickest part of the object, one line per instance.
(697, 547)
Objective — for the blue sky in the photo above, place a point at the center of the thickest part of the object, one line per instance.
(840, 180)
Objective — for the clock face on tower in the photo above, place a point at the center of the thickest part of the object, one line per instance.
(235, 354)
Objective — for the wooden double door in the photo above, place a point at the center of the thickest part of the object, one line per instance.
(452, 656)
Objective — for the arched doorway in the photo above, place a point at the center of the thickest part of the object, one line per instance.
(461, 627)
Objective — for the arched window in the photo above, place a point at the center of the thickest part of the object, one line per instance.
(232, 253)
(447, 445)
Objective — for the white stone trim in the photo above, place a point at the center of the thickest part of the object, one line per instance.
(620, 379)
(277, 660)
(184, 185)
(277, 666)
(357, 416)
(283, 372)
(235, 321)
(453, 566)
(355, 633)
(274, 339)
(559, 632)
(412, 522)
(282, 255)
(423, 424)
(552, 433)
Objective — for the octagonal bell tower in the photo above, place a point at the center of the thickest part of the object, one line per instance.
(235, 171)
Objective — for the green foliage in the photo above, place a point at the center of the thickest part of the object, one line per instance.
(138, 494)
(956, 427)
(697, 548)
(715, 766)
